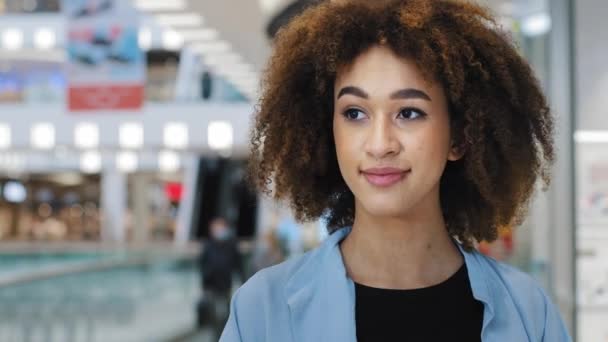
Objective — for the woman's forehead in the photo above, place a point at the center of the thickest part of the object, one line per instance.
(380, 68)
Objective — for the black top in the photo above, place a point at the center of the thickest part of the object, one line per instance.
(218, 261)
(443, 312)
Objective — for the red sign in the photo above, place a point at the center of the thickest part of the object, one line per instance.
(174, 191)
(106, 97)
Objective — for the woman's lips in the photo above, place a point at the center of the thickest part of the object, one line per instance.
(384, 177)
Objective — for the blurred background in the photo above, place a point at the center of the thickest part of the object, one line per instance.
(124, 215)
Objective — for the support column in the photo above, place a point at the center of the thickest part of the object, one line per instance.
(185, 211)
(562, 192)
(141, 209)
(113, 205)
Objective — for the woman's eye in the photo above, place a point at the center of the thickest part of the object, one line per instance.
(354, 114)
(411, 113)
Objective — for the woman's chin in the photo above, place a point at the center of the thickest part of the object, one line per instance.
(388, 210)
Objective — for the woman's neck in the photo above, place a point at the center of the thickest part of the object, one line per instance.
(400, 253)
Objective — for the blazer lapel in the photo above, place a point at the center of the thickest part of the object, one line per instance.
(495, 298)
(321, 297)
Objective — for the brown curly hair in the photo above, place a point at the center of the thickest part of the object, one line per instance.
(498, 113)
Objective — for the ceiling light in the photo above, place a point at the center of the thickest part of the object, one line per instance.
(219, 135)
(86, 135)
(5, 136)
(175, 135)
(131, 135)
(126, 161)
(42, 136)
(44, 39)
(12, 39)
(591, 136)
(90, 162)
(172, 40)
(168, 161)
(160, 5)
(179, 19)
(14, 192)
(536, 25)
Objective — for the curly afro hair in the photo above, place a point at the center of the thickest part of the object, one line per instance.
(498, 113)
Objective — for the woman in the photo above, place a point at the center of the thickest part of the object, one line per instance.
(416, 130)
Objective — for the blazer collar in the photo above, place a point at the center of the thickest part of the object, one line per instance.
(321, 296)
(480, 286)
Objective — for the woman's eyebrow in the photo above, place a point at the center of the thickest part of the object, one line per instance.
(408, 93)
(353, 91)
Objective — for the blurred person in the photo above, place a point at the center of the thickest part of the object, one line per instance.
(417, 130)
(220, 259)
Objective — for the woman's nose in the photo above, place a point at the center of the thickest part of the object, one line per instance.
(381, 140)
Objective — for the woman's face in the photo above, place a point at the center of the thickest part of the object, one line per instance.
(392, 134)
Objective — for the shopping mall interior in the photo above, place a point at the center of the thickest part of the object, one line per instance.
(125, 132)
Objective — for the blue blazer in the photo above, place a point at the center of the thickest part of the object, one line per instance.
(311, 299)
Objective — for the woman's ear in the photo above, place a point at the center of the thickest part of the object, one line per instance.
(456, 152)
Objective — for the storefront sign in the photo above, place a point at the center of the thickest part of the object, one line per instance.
(106, 67)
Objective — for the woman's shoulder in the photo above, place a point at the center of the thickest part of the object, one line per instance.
(507, 284)
(271, 281)
(514, 279)
(302, 267)
(262, 300)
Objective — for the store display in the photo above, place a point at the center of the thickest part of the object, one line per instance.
(43, 207)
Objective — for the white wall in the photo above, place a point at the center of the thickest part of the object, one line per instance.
(591, 68)
(592, 64)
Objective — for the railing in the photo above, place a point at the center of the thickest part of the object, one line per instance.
(115, 296)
